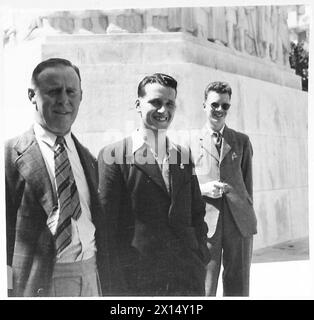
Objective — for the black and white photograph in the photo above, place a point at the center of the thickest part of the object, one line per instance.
(156, 150)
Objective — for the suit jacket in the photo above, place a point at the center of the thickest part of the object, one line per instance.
(234, 167)
(29, 201)
(151, 234)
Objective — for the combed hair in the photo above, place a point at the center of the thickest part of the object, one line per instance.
(161, 78)
(50, 63)
(219, 87)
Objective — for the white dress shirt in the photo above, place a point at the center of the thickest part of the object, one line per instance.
(211, 131)
(82, 246)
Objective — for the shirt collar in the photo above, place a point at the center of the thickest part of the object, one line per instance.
(50, 138)
(138, 141)
(211, 130)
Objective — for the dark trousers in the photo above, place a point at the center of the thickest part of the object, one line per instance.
(179, 273)
(235, 252)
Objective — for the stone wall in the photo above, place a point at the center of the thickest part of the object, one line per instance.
(267, 104)
(256, 30)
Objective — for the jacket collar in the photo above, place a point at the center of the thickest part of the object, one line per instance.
(209, 145)
(31, 166)
(146, 162)
(50, 138)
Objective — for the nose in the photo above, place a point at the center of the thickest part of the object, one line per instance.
(218, 108)
(62, 97)
(161, 109)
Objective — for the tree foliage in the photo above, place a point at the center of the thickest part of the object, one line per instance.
(299, 60)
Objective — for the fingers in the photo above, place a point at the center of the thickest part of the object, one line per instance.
(214, 189)
(219, 185)
(218, 189)
(217, 193)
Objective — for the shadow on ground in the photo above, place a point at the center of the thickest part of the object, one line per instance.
(291, 250)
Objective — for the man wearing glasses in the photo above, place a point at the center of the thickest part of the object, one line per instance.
(223, 159)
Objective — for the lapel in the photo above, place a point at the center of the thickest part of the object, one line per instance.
(88, 165)
(227, 141)
(32, 167)
(145, 161)
(208, 144)
(177, 173)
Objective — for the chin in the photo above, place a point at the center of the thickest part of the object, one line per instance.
(216, 124)
(214, 121)
(159, 126)
(164, 127)
(61, 132)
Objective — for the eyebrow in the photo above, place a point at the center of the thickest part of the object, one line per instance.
(160, 99)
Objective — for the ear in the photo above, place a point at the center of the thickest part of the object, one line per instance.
(81, 95)
(31, 95)
(138, 105)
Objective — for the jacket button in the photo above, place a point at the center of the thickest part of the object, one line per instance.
(40, 292)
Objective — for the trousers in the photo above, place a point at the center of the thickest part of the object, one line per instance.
(228, 247)
(77, 279)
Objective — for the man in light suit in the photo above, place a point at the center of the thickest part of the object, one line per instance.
(152, 203)
(223, 160)
(54, 243)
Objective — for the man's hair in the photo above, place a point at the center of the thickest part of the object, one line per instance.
(50, 63)
(219, 87)
(161, 78)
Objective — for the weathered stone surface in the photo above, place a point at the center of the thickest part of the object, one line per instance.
(256, 30)
(167, 48)
(282, 215)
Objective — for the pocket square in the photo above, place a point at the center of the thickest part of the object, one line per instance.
(234, 156)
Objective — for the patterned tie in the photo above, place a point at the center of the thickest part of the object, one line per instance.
(67, 195)
(217, 139)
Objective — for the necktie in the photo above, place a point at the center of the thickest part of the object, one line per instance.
(67, 194)
(217, 139)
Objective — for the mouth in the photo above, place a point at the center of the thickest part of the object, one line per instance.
(217, 114)
(160, 118)
(63, 113)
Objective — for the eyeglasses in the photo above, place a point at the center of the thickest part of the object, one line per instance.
(224, 106)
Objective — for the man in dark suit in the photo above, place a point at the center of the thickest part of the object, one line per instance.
(54, 245)
(152, 203)
(223, 160)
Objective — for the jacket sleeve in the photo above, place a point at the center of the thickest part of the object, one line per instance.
(13, 193)
(14, 186)
(110, 188)
(198, 214)
(11, 212)
(246, 167)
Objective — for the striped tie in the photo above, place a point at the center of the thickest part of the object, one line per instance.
(67, 194)
(217, 140)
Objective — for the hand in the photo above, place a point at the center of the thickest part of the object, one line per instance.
(213, 189)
